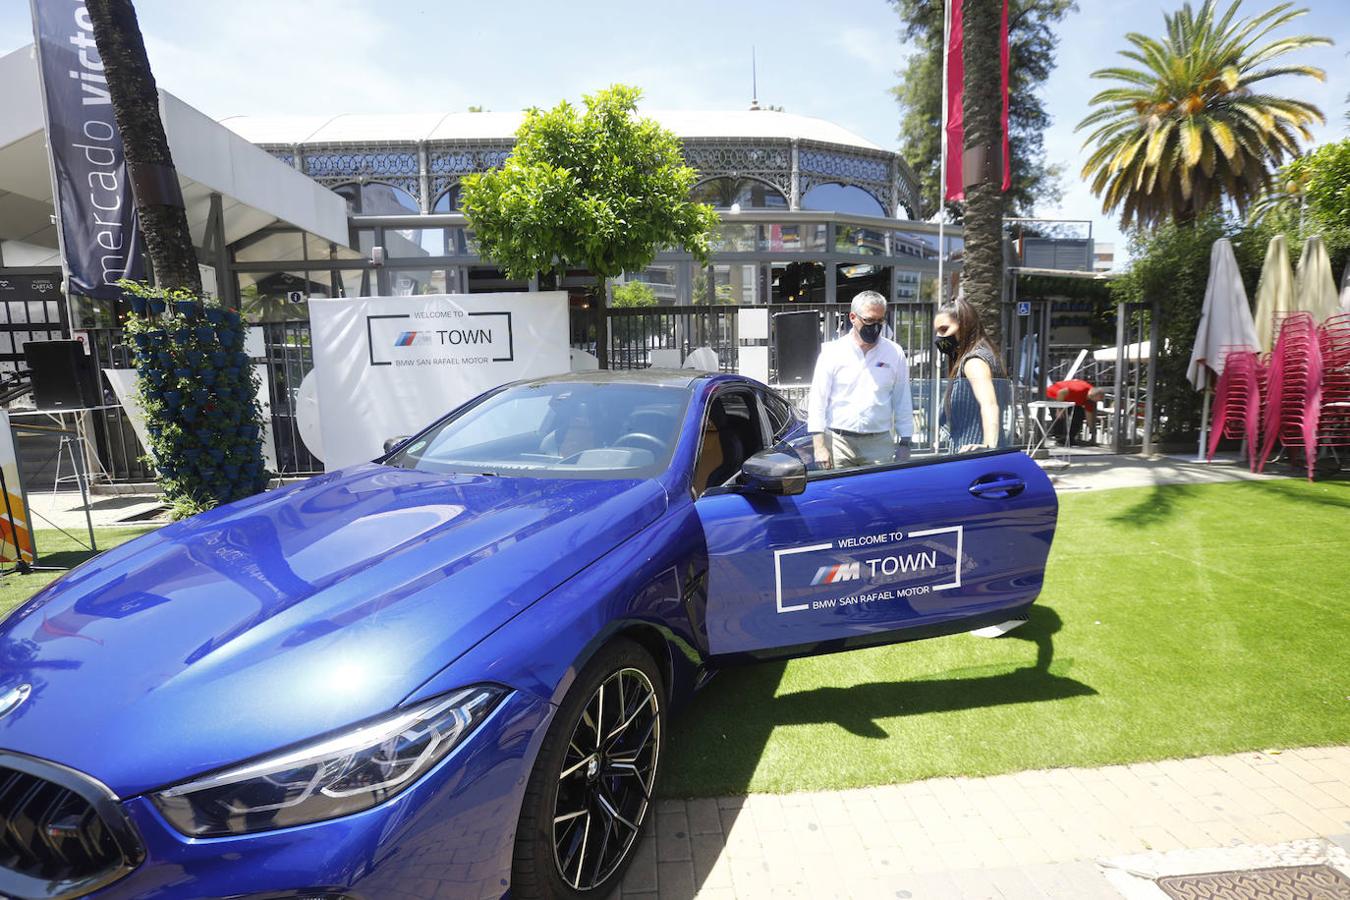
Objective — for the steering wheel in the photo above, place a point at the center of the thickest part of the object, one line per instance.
(643, 441)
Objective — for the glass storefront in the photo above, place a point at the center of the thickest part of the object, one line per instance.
(752, 263)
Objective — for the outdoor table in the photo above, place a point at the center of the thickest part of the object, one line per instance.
(1042, 413)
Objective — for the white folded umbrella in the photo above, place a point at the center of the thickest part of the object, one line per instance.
(1345, 288)
(1314, 285)
(1225, 318)
(1275, 293)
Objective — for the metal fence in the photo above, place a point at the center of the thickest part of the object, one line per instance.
(119, 449)
(634, 333)
(287, 358)
(641, 337)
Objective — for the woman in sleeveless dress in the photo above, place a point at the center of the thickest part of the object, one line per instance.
(970, 407)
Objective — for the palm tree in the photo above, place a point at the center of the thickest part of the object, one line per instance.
(982, 107)
(1190, 129)
(135, 102)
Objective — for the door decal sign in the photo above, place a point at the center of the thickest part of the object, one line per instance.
(867, 568)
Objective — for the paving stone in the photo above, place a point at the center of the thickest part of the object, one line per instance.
(1014, 884)
(717, 893)
(672, 844)
(641, 874)
(923, 886)
(1080, 881)
(703, 816)
(977, 884)
(675, 880)
(1045, 826)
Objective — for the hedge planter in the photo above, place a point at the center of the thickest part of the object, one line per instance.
(199, 393)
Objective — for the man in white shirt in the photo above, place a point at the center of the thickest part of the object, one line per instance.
(860, 411)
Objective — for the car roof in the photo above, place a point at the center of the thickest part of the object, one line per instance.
(681, 378)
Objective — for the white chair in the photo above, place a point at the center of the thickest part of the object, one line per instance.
(703, 359)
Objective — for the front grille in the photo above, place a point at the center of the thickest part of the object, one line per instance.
(62, 834)
(50, 832)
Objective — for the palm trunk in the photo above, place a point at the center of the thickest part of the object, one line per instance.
(982, 268)
(135, 102)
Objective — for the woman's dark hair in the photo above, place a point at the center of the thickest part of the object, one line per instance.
(969, 330)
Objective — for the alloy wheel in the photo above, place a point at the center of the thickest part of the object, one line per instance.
(605, 784)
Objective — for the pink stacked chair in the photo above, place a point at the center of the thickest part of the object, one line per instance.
(1294, 390)
(1334, 420)
(1237, 401)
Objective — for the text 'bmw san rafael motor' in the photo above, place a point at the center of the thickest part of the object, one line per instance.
(450, 672)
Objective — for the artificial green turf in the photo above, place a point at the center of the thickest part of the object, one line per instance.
(62, 551)
(1175, 621)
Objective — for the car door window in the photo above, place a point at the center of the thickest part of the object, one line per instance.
(780, 414)
(733, 431)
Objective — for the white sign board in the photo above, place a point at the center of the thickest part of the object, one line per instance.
(389, 366)
(752, 324)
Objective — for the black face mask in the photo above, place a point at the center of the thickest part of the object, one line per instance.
(869, 333)
(946, 344)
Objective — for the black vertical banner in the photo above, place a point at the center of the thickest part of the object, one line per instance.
(96, 211)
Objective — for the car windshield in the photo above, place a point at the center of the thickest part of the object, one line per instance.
(556, 430)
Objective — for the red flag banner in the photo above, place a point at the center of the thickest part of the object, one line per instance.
(955, 111)
(955, 188)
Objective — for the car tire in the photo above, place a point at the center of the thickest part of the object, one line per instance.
(592, 783)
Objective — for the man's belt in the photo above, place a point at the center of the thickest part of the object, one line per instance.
(858, 434)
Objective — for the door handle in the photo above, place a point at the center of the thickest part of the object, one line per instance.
(997, 487)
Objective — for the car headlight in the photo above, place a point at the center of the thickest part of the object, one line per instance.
(329, 777)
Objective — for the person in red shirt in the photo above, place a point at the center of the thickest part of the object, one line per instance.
(1084, 395)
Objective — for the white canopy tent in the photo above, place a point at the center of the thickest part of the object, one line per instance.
(255, 189)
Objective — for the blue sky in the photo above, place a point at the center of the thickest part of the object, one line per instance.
(836, 60)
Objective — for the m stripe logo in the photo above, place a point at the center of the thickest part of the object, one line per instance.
(837, 573)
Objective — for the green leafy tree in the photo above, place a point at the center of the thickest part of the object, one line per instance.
(634, 293)
(1310, 196)
(1189, 128)
(1031, 59)
(601, 189)
(1171, 265)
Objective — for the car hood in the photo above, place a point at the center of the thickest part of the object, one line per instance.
(290, 614)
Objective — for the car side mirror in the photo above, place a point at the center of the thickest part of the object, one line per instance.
(774, 472)
(393, 443)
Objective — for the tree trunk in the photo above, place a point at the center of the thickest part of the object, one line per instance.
(135, 102)
(598, 310)
(982, 268)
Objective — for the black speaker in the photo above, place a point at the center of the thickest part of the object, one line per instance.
(62, 375)
(796, 344)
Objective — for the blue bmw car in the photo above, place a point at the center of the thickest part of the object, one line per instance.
(451, 672)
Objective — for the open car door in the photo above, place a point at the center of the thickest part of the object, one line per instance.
(875, 555)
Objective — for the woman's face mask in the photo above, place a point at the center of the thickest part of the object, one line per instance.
(946, 344)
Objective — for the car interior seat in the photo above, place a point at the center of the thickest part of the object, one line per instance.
(734, 432)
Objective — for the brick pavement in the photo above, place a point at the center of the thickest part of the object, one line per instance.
(1038, 834)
